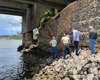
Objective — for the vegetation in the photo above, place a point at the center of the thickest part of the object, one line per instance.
(48, 14)
(17, 36)
(10, 37)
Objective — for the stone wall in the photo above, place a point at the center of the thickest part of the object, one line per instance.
(79, 15)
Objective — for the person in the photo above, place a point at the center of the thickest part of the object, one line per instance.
(70, 35)
(65, 41)
(92, 38)
(53, 44)
(76, 40)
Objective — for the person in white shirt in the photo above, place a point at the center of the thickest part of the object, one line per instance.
(76, 39)
(53, 44)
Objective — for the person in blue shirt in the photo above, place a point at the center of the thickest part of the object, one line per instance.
(76, 35)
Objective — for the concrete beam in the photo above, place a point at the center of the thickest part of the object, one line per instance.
(13, 4)
(53, 4)
(13, 11)
(11, 7)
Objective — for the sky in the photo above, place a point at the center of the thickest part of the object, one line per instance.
(10, 24)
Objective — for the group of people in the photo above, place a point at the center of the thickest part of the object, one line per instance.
(66, 40)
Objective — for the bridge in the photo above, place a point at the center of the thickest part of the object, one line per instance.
(29, 10)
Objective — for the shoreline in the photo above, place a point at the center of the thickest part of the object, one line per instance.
(10, 39)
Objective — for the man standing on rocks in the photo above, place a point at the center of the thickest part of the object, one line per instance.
(53, 44)
(92, 38)
(76, 40)
(65, 41)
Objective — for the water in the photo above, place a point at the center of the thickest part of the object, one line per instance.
(11, 61)
(15, 65)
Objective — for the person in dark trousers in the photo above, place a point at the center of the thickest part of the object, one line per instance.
(76, 35)
(54, 50)
(92, 38)
(65, 41)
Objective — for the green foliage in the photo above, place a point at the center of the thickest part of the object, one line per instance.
(48, 14)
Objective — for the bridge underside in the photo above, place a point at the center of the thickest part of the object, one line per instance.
(28, 10)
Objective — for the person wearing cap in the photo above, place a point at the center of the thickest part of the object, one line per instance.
(53, 44)
(92, 38)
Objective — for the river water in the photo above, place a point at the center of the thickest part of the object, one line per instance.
(12, 63)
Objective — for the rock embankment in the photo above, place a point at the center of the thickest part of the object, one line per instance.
(82, 67)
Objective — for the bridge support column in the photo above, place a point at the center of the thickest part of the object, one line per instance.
(27, 37)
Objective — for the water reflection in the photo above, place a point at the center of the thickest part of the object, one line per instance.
(19, 71)
(14, 65)
(18, 66)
